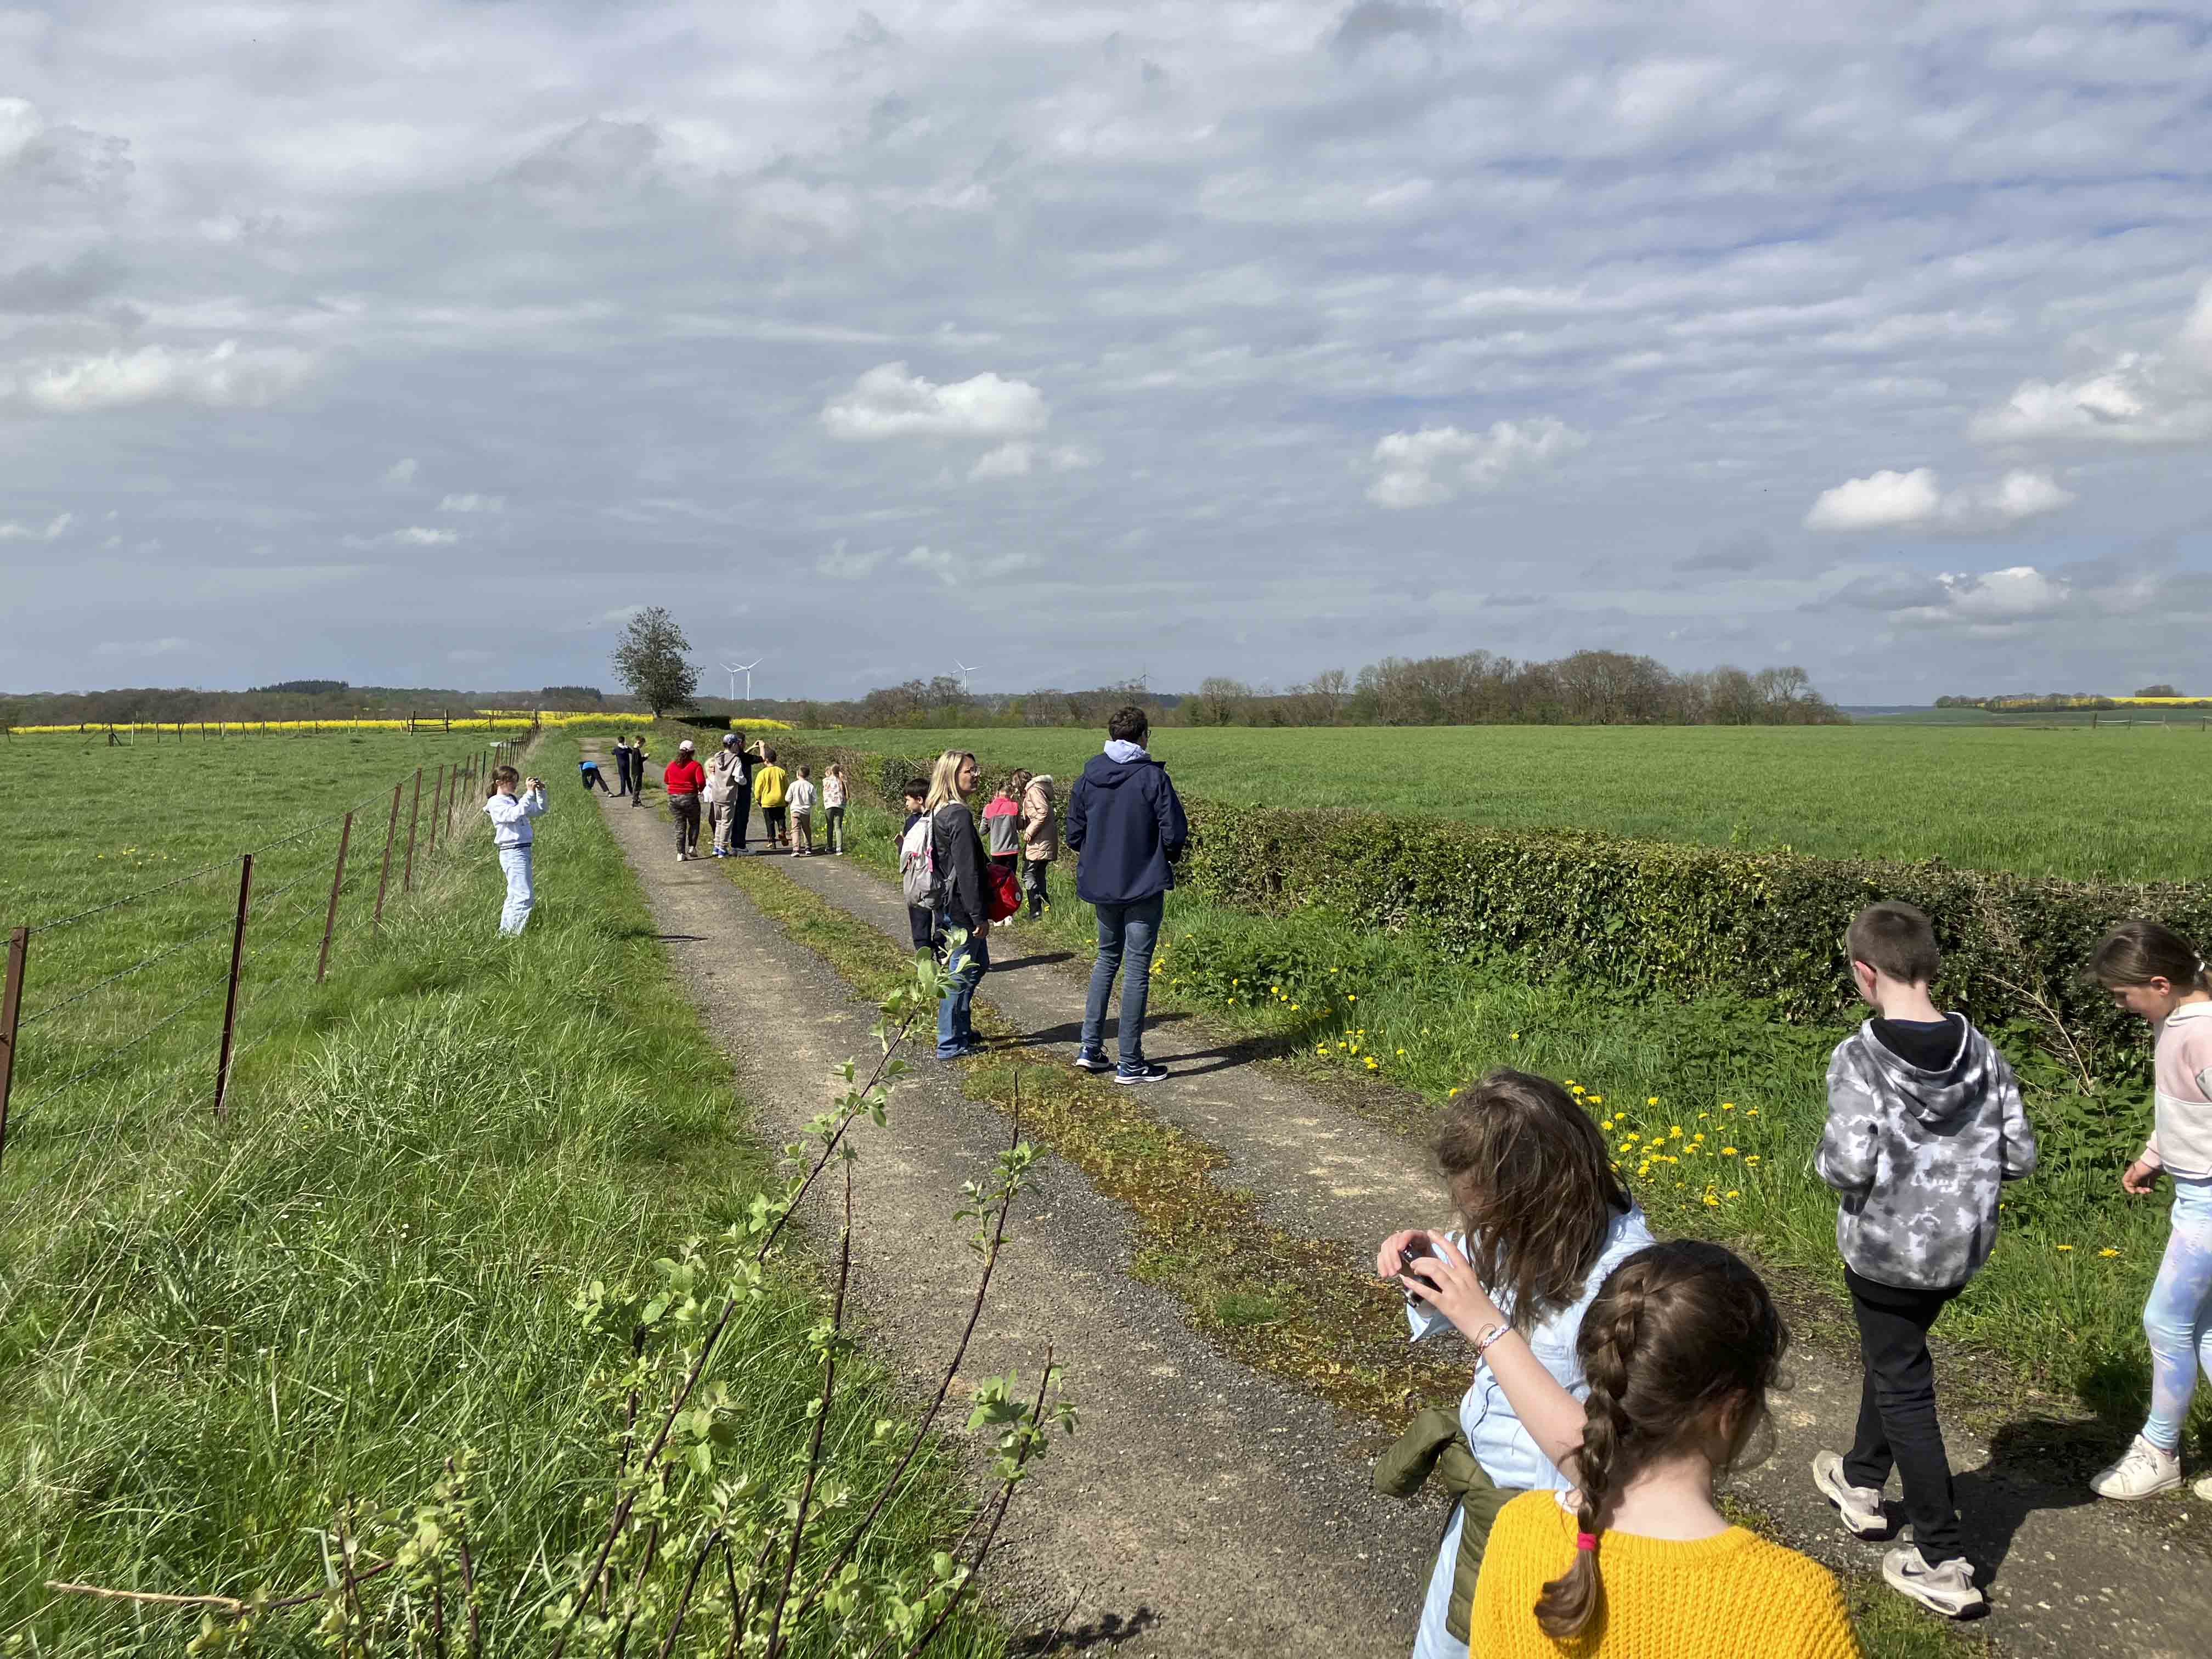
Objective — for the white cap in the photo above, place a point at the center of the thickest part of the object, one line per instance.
(686, 744)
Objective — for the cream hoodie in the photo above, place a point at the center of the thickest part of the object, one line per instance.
(2181, 1139)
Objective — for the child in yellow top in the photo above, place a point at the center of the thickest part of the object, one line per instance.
(1679, 1347)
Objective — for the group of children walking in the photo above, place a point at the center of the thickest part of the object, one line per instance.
(1616, 1378)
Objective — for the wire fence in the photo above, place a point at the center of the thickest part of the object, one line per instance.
(102, 1008)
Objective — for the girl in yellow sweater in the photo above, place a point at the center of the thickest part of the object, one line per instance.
(1680, 1347)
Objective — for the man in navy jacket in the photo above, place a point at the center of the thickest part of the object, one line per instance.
(1126, 827)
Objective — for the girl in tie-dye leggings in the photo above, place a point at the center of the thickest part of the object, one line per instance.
(2153, 973)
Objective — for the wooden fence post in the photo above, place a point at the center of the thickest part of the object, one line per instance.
(230, 1000)
(437, 800)
(11, 1010)
(391, 829)
(414, 817)
(331, 915)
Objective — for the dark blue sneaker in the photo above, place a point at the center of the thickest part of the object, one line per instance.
(1090, 1060)
(1142, 1071)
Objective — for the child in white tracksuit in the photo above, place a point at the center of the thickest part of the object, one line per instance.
(511, 833)
(799, 798)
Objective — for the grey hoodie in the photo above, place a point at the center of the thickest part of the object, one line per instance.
(1917, 1156)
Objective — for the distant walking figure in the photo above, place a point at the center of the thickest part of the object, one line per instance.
(512, 834)
(686, 779)
(1126, 827)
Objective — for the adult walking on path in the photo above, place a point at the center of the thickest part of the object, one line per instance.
(510, 813)
(725, 775)
(686, 781)
(963, 897)
(1126, 827)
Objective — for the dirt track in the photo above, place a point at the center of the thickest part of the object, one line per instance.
(1205, 1507)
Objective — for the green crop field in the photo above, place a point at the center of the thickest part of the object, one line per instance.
(2123, 803)
(218, 1338)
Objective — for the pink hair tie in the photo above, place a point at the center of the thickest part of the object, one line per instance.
(1585, 1540)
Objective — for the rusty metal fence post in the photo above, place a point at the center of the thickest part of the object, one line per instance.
(331, 915)
(414, 817)
(230, 999)
(11, 1010)
(390, 830)
(437, 800)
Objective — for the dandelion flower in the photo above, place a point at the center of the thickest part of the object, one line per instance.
(2065, 1247)
(1733, 1192)
(1653, 1100)
(1597, 1100)
(1728, 1152)
(1513, 1037)
(2108, 1250)
(1449, 1093)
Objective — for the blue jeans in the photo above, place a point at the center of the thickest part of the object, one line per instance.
(955, 1026)
(2178, 1318)
(1126, 934)
(515, 861)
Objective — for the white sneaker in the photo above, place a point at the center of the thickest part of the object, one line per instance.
(2204, 1487)
(2144, 1470)
(1947, 1590)
(1860, 1506)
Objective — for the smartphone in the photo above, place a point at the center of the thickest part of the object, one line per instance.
(1422, 1246)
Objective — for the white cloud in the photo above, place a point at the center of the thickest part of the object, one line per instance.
(414, 535)
(220, 377)
(1008, 460)
(52, 529)
(887, 401)
(473, 503)
(963, 569)
(2140, 399)
(839, 564)
(401, 472)
(1016, 459)
(1999, 601)
(1900, 501)
(1436, 463)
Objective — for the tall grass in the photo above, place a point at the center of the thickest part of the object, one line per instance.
(211, 1334)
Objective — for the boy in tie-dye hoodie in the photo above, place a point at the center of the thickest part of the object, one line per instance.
(1925, 1125)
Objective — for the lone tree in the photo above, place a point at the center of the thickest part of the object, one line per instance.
(650, 660)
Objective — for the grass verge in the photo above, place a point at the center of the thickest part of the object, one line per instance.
(1285, 1305)
(1713, 1109)
(210, 1334)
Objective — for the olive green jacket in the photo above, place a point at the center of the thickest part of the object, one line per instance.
(1434, 1445)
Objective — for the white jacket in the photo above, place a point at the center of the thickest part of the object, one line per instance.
(510, 816)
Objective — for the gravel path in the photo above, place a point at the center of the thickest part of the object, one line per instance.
(1201, 1510)
(2066, 1575)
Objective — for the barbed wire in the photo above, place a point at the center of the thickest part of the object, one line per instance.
(116, 1054)
(28, 1020)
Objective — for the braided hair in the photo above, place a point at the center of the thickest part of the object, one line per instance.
(1681, 1345)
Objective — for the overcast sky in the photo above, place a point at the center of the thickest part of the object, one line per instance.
(413, 343)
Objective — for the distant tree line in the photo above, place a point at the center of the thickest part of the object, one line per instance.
(289, 700)
(1590, 688)
(2052, 702)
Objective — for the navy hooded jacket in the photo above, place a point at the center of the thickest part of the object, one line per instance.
(1125, 824)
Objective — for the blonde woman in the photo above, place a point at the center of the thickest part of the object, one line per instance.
(962, 896)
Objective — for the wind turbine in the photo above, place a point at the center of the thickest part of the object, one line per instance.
(965, 671)
(734, 668)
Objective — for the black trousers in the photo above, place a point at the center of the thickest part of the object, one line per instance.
(1898, 1428)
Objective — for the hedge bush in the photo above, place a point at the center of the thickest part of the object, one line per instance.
(1665, 918)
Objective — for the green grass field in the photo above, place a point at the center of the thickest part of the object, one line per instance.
(2123, 803)
(211, 1333)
